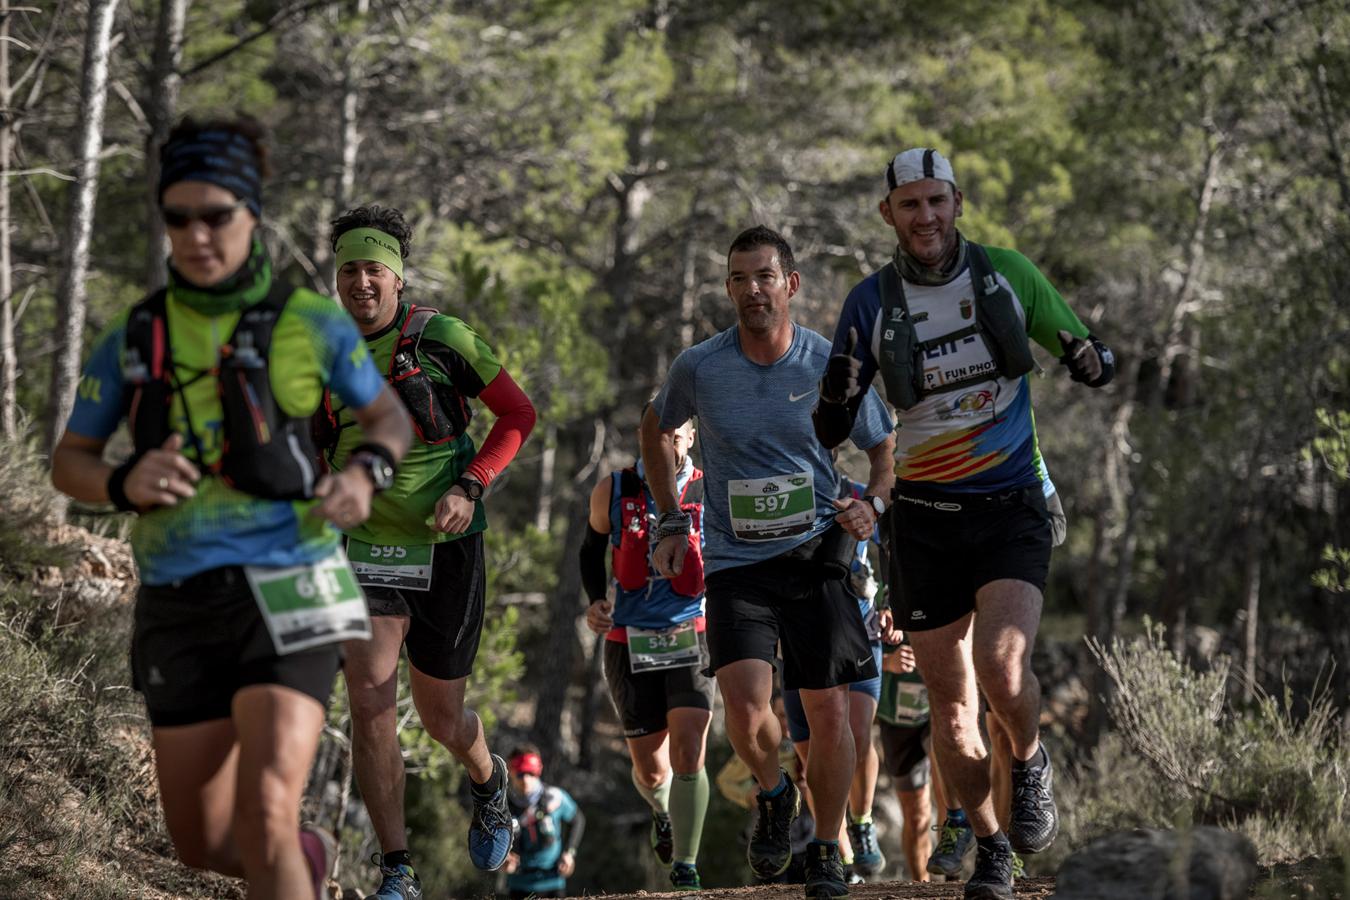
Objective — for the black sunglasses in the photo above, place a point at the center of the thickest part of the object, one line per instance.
(212, 217)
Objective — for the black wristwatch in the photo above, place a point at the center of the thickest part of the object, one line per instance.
(878, 505)
(377, 467)
(472, 487)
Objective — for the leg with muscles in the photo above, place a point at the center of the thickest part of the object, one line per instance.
(747, 686)
(1008, 616)
(867, 856)
(829, 767)
(278, 731)
(689, 794)
(440, 704)
(944, 657)
(650, 754)
(198, 767)
(916, 807)
(371, 672)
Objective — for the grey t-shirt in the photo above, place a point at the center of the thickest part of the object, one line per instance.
(761, 458)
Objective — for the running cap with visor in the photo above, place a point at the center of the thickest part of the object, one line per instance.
(916, 164)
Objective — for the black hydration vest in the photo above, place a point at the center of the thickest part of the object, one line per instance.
(995, 321)
(266, 453)
(438, 412)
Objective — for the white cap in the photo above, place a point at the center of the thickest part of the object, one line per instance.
(916, 164)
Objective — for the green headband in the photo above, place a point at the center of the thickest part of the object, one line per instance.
(371, 244)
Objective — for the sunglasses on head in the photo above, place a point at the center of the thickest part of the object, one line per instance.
(211, 216)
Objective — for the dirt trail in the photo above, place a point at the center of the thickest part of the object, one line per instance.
(892, 890)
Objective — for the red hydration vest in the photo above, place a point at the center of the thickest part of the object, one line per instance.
(631, 561)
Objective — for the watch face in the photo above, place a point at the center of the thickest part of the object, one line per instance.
(878, 506)
(383, 473)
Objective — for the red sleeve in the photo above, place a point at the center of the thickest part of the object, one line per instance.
(515, 419)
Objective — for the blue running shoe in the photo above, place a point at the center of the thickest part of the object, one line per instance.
(400, 882)
(493, 829)
(868, 860)
(684, 877)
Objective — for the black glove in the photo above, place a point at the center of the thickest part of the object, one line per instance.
(842, 374)
(1089, 361)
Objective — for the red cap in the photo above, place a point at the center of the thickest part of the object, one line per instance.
(527, 764)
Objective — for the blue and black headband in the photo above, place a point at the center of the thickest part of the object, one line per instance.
(218, 156)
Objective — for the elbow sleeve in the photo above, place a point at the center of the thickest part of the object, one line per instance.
(591, 559)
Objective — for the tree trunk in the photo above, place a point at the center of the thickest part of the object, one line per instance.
(9, 364)
(543, 516)
(563, 609)
(165, 81)
(1251, 584)
(70, 298)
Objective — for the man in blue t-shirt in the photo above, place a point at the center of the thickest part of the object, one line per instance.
(778, 543)
(550, 826)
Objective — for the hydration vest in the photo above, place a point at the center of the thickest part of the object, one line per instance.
(266, 453)
(995, 321)
(631, 558)
(438, 412)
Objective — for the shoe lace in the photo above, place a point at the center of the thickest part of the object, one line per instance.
(999, 857)
(664, 830)
(489, 814)
(864, 837)
(950, 834)
(1030, 789)
(770, 826)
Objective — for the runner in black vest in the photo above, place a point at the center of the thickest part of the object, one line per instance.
(662, 696)
(420, 554)
(235, 640)
(947, 324)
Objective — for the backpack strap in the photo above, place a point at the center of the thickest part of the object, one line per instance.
(630, 485)
(411, 332)
(693, 488)
(1004, 332)
(901, 371)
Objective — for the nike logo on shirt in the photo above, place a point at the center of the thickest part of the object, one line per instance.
(793, 398)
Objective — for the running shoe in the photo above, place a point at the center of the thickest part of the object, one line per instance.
(685, 877)
(1034, 822)
(868, 860)
(492, 830)
(321, 852)
(954, 844)
(770, 848)
(663, 838)
(400, 881)
(824, 872)
(993, 875)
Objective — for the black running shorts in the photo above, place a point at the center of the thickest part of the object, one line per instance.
(946, 546)
(197, 641)
(751, 608)
(642, 699)
(904, 753)
(447, 620)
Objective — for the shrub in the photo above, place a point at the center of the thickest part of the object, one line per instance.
(1183, 755)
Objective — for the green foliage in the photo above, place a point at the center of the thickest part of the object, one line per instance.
(30, 504)
(1277, 772)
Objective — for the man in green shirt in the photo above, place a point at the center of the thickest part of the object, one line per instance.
(420, 554)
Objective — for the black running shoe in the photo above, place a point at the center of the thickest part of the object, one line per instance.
(993, 875)
(824, 872)
(663, 838)
(1035, 822)
(770, 848)
(492, 829)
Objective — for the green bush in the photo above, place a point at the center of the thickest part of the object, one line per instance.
(1182, 754)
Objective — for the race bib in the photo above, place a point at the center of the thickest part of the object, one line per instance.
(910, 703)
(673, 648)
(392, 565)
(309, 605)
(769, 509)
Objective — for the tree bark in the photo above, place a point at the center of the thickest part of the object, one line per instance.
(563, 609)
(1251, 583)
(71, 297)
(9, 363)
(165, 82)
(543, 516)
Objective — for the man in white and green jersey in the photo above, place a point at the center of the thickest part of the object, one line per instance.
(420, 554)
(946, 324)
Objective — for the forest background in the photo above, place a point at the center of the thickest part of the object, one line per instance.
(575, 171)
